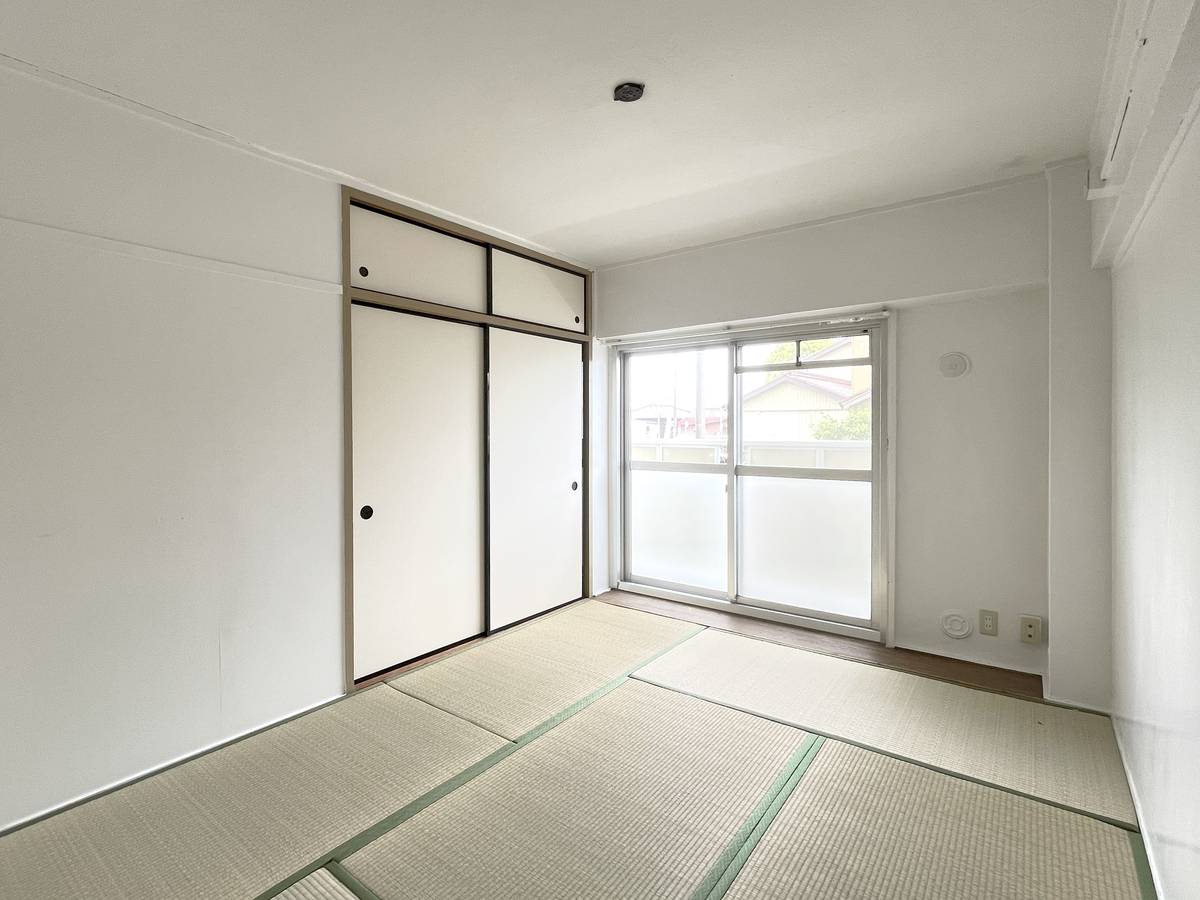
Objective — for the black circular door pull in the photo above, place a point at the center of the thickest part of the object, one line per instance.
(362, 270)
(366, 512)
(574, 485)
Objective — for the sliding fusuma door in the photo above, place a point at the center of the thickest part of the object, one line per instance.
(535, 422)
(466, 452)
(418, 485)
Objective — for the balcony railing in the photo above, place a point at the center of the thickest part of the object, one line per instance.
(817, 454)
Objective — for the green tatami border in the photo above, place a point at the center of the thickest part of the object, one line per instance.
(731, 860)
(719, 881)
(1131, 827)
(458, 715)
(349, 881)
(333, 858)
(1141, 864)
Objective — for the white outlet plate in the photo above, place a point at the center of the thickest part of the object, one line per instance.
(989, 622)
(1031, 629)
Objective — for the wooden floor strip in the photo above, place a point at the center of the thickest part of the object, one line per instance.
(943, 668)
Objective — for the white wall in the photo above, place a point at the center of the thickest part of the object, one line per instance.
(972, 453)
(170, 392)
(1079, 668)
(971, 475)
(985, 240)
(1156, 521)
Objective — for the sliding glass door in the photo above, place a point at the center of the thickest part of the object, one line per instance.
(751, 472)
(804, 474)
(677, 446)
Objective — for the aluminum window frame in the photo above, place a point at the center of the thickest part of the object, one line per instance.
(877, 627)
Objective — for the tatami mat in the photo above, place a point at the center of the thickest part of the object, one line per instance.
(235, 822)
(635, 797)
(1062, 755)
(863, 826)
(320, 885)
(520, 678)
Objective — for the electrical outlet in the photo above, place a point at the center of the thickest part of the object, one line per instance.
(989, 622)
(1031, 629)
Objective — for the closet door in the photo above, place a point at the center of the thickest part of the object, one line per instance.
(525, 289)
(418, 485)
(536, 474)
(396, 257)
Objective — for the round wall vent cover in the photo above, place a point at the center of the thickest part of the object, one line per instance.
(956, 624)
(954, 365)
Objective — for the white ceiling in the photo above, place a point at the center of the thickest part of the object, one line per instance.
(757, 114)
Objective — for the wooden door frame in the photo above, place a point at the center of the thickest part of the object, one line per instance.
(351, 198)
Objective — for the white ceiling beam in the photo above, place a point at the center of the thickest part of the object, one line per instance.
(1146, 115)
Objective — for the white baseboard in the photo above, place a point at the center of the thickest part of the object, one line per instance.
(1137, 811)
(146, 773)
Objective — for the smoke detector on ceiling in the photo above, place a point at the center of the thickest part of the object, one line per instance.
(628, 91)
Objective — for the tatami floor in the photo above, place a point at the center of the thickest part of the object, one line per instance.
(608, 752)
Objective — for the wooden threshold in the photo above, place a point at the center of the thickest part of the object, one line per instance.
(388, 674)
(957, 671)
